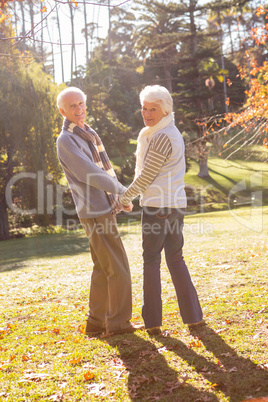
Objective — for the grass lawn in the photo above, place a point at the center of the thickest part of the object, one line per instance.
(229, 181)
(213, 192)
(44, 286)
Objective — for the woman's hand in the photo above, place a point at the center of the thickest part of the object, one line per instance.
(127, 208)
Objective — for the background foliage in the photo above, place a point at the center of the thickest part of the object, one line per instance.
(211, 56)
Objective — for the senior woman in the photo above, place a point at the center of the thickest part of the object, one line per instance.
(159, 180)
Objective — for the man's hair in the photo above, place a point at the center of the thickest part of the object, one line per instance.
(70, 90)
(157, 94)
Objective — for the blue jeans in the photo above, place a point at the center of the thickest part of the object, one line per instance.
(162, 229)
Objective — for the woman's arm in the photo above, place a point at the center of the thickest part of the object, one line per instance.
(159, 151)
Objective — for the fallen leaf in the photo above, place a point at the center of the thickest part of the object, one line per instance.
(118, 362)
(125, 342)
(170, 386)
(25, 358)
(147, 352)
(89, 375)
(141, 379)
(195, 344)
(233, 369)
(75, 360)
(81, 328)
(227, 322)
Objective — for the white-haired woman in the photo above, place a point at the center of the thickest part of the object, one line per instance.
(159, 180)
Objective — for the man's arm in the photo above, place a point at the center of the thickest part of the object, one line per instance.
(159, 151)
(74, 160)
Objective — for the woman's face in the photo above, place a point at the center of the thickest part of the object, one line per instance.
(151, 113)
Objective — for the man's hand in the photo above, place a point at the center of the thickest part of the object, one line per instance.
(127, 208)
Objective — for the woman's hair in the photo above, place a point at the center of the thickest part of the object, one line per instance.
(70, 90)
(157, 94)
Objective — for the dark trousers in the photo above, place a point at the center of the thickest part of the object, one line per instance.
(162, 229)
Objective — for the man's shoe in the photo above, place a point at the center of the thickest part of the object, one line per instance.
(154, 331)
(196, 325)
(128, 330)
(93, 329)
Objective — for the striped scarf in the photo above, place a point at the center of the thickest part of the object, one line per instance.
(99, 154)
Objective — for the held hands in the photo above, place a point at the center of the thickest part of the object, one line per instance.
(120, 207)
(127, 208)
(123, 207)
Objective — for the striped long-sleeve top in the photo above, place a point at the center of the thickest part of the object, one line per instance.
(159, 151)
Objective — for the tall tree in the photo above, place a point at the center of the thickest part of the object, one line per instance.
(249, 126)
(73, 51)
(85, 30)
(31, 12)
(196, 66)
(96, 84)
(23, 31)
(123, 81)
(60, 42)
(28, 124)
(157, 37)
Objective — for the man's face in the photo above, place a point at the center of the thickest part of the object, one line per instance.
(151, 113)
(74, 109)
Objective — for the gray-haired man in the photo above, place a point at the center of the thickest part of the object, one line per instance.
(94, 186)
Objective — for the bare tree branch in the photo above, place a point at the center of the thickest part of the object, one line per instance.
(94, 4)
(36, 25)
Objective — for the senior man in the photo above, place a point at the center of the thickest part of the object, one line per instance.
(94, 186)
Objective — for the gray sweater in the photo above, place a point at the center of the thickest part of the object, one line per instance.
(88, 183)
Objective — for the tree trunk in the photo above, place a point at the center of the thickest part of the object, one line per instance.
(15, 19)
(86, 33)
(203, 159)
(73, 41)
(61, 52)
(231, 38)
(167, 74)
(42, 38)
(203, 168)
(222, 63)
(109, 32)
(4, 228)
(52, 53)
(32, 22)
(23, 27)
(202, 147)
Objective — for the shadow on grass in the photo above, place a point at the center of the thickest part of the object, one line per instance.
(214, 183)
(150, 377)
(14, 253)
(237, 377)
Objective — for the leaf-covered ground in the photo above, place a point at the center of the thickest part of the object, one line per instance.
(44, 286)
